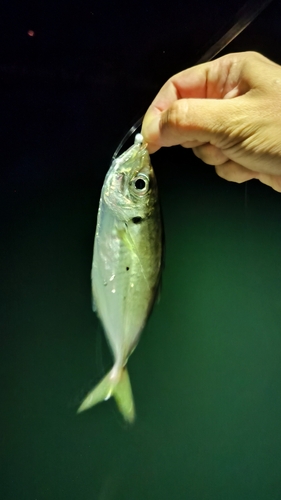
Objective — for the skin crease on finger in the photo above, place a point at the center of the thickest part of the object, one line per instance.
(228, 111)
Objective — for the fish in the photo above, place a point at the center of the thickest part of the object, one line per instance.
(126, 267)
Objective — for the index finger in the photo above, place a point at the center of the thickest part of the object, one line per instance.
(213, 80)
(188, 83)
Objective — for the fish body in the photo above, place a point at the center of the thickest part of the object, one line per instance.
(126, 266)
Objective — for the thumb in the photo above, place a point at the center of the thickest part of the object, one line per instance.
(191, 122)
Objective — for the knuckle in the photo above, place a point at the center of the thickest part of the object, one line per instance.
(209, 154)
(231, 171)
(227, 172)
(175, 116)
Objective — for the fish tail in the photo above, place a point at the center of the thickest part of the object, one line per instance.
(117, 384)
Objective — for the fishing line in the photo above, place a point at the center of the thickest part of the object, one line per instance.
(246, 16)
(127, 136)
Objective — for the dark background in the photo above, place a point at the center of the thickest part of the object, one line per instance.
(206, 374)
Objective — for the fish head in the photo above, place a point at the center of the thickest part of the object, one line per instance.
(130, 189)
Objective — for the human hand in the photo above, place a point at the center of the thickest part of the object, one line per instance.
(228, 111)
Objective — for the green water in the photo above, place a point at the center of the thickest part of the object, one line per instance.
(205, 376)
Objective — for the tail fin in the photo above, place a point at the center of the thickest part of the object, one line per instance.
(117, 384)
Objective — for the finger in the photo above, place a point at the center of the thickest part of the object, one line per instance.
(210, 154)
(273, 181)
(191, 144)
(215, 79)
(234, 172)
(211, 80)
(200, 120)
(187, 144)
(231, 171)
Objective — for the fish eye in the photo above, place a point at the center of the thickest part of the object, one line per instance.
(140, 184)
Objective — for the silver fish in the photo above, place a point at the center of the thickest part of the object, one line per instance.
(126, 266)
